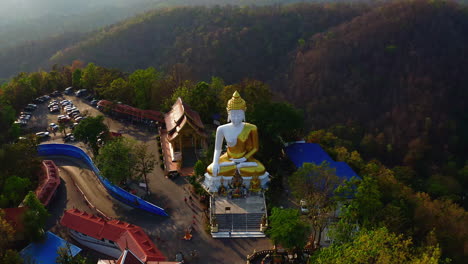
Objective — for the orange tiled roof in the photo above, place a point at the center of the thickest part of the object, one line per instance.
(179, 115)
(125, 235)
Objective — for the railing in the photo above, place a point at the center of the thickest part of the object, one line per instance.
(115, 191)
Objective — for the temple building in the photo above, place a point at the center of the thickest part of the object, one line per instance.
(184, 138)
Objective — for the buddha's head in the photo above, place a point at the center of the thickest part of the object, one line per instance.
(236, 109)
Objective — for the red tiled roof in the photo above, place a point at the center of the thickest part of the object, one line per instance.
(179, 115)
(49, 181)
(128, 257)
(125, 235)
(14, 217)
(132, 111)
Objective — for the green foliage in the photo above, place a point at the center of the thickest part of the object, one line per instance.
(76, 78)
(89, 129)
(197, 187)
(65, 257)
(202, 97)
(199, 168)
(6, 233)
(287, 228)
(19, 167)
(277, 120)
(34, 218)
(365, 205)
(377, 246)
(316, 184)
(115, 160)
(89, 78)
(118, 90)
(142, 82)
(11, 257)
(14, 190)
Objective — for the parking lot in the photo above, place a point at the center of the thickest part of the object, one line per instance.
(166, 232)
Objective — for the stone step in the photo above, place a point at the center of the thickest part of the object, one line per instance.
(238, 234)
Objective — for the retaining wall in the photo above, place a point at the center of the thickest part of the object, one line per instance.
(115, 191)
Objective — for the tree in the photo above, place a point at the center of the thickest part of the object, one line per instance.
(287, 228)
(252, 91)
(142, 82)
(65, 256)
(89, 129)
(276, 120)
(14, 190)
(6, 232)
(11, 257)
(144, 162)
(76, 78)
(199, 168)
(361, 201)
(20, 159)
(115, 160)
(377, 246)
(202, 97)
(89, 78)
(316, 184)
(35, 217)
(118, 90)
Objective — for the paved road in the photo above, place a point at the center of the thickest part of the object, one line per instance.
(166, 232)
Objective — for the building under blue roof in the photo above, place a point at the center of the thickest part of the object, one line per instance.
(299, 153)
(46, 252)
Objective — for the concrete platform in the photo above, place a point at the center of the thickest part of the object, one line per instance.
(252, 204)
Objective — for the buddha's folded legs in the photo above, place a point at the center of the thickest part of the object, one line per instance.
(244, 171)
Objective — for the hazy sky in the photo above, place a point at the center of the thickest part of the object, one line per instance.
(26, 9)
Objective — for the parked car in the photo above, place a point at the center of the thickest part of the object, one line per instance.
(21, 122)
(43, 134)
(81, 92)
(54, 109)
(69, 138)
(54, 126)
(73, 125)
(63, 119)
(94, 102)
(78, 119)
(68, 90)
(30, 107)
(55, 93)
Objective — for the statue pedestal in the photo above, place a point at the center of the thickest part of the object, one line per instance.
(212, 184)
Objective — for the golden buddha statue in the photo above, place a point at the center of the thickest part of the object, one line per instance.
(242, 143)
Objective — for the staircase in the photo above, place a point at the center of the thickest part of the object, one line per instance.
(239, 222)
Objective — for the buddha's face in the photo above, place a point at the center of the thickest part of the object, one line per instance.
(236, 117)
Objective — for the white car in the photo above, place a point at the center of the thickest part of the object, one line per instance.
(42, 134)
(54, 126)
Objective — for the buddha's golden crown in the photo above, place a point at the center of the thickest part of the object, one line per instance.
(236, 103)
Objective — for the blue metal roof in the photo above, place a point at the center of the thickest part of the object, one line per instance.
(313, 153)
(46, 252)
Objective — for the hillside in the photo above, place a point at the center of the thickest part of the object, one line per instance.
(400, 73)
(229, 42)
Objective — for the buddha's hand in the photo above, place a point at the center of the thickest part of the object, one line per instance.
(243, 159)
(215, 170)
